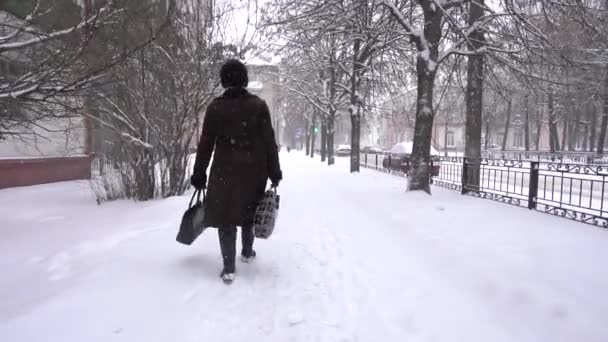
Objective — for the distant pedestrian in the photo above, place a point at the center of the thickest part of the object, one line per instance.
(238, 128)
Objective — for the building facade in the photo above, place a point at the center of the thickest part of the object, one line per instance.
(264, 81)
(397, 121)
(53, 148)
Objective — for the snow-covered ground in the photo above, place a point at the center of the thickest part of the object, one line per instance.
(354, 258)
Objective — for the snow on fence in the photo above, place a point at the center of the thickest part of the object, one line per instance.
(575, 191)
(585, 158)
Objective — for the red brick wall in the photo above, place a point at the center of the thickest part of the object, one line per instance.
(23, 172)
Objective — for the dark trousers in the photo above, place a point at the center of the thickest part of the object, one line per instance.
(228, 245)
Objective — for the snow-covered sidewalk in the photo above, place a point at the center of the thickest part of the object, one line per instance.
(354, 258)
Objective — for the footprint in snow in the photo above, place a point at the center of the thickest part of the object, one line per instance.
(189, 296)
(34, 260)
(295, 318)
(50, 219)
(59, 266)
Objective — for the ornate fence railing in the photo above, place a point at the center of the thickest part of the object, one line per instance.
(575, 191)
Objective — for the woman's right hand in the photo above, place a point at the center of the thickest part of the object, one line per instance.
(276, 179)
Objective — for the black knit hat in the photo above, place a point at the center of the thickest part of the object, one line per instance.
(234, 74)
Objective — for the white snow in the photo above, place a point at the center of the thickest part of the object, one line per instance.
(136, 140)
(406, 147)
(255, 85)
(18, 93)
(354, 258)
(426, 111)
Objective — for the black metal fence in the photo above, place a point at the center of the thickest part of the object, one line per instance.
(575, 191)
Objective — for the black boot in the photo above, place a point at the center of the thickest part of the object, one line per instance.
(228, 247)
(247, 237)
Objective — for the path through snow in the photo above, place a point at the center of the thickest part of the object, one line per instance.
(354, 258)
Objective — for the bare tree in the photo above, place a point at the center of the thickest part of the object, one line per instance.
(149, 116)
(423, 22)
(49, 68)
(350, 35)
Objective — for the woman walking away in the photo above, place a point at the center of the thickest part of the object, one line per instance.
(237, 127)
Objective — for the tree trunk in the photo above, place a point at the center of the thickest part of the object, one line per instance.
(426, 67)
(604, 127)
(488, 135)
(330, 139)
(355, 110)
(539, 128)
(586, 138)
(313, 135)
(307, 138)
(565, 134)
(474, 97)
(507, 124)
(574, 127)
(588, 108)
(323, 139)
(419, 174)
(355, 143)
(574, 133)
(527, 123)
(445, 137)
(331, 120)
(553, 135)
(593, 128)
(555, 138)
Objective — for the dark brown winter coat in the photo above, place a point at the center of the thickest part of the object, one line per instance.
(237, 129)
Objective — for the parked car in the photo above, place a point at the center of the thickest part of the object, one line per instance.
(372, 150)
(398, 159)
(343, 150)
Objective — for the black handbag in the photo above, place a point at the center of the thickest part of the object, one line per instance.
(193, 220)
(266, 215)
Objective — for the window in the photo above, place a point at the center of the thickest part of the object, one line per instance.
(450, 140)
(499, 139)
(533, 138)
(518, 139)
